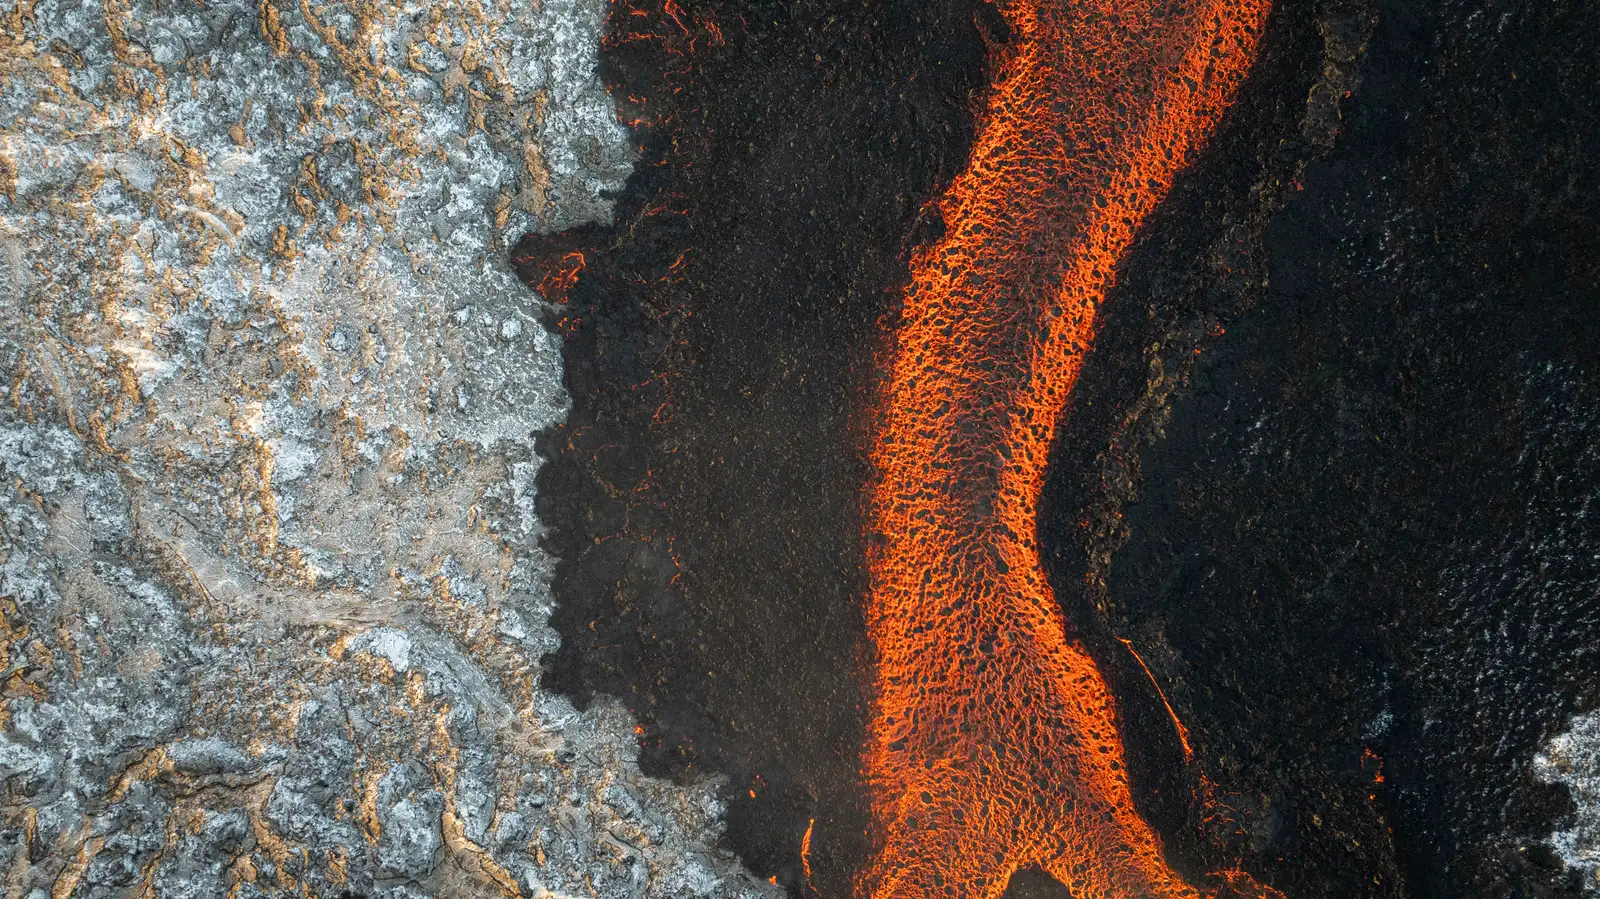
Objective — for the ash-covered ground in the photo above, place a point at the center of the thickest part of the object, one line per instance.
(271, 594)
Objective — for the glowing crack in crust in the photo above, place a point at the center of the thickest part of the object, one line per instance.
(993, 741)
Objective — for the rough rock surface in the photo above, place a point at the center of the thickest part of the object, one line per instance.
(271, 590)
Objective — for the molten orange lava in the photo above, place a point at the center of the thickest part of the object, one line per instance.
(993, 743)
(1177, 725)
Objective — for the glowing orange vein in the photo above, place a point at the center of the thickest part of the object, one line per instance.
(993, 743)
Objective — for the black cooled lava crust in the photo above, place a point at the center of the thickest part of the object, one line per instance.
(702, 497)
(1359, 542)
(1331, 470)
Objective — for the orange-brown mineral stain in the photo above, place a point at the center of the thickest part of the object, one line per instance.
(993, 740)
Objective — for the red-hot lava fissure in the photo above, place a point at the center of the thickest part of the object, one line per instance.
(993, 740)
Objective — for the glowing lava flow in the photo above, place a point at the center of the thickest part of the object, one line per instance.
(993, 743)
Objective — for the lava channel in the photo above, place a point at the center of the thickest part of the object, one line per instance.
(993, 741)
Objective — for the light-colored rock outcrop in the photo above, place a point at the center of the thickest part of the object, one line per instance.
(1573, 760)
(271, 591)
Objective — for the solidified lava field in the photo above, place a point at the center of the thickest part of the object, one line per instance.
(1315, 524)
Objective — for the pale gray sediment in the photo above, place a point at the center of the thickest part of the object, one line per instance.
(271, 590)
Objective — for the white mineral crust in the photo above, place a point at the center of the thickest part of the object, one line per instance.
(271, 597)
(1573, 759)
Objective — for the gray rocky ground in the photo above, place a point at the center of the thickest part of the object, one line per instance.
(271, 596)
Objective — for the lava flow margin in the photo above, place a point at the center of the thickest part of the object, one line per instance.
(993, 743)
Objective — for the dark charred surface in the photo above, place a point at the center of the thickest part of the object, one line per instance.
(1328, 472)
(703, 495)
(1353, 536)
(1034, 883)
